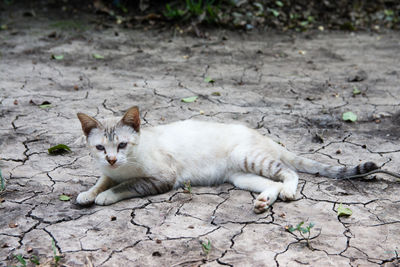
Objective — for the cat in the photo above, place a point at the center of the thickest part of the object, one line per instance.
(137, 162)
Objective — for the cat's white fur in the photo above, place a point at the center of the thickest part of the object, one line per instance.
(204, 153)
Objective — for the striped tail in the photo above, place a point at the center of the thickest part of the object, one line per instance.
(306, 165)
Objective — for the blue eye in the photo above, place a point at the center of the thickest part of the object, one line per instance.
(122, 145)
(100, 147)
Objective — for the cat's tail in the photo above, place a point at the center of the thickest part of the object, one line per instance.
(306, 165)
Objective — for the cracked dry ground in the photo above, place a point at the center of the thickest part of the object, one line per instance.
(261, 80)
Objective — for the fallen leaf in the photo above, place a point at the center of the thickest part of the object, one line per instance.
(189, 99)
(45, 106)
(356, 91)
(57, 57)
(349, 116)
(208, 80)
(58, 149)
(64, 198)
(342, 211)
(98, 56)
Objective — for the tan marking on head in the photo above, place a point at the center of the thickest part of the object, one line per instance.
(132, 118)
(88, 123)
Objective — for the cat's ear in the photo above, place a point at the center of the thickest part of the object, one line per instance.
(88, 123)
(132, 118)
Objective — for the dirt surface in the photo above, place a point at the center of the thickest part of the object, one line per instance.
(291, 88)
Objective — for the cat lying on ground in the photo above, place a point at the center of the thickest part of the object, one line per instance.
(138, 162)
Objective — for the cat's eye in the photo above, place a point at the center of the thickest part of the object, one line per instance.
(100, 147)
(122, 145)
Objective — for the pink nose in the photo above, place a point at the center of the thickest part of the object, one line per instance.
(111, 160)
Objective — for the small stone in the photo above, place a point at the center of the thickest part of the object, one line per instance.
(191, 227)
(282, 215)
(2, 200)
(113, 218)
(104, 249)
(15, 102)
(76, 87)
(364, 146)
(156, 254)
(29, 249)
(5, 245)
(13, 225)
(338, 151)
(158, 241)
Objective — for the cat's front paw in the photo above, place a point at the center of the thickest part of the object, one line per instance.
(85, 198)
(106, 198)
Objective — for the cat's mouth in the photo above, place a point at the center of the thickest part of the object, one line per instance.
(114, 166)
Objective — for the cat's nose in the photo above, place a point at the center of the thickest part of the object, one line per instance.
(111, 160)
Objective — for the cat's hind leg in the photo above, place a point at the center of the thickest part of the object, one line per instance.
(269, 189)
(260, 164)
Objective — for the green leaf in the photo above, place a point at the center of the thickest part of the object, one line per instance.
(274, 12)
(216, 93)
(45, 106)
(98, 56)
(342, 211)
(209, 80)
(35, 260)
(21, 259)
(291, 229)
(64, 198)
(356, 91)
(57, 57)
(58, 149)
(349, 116)
(189, 99)
(279, 3)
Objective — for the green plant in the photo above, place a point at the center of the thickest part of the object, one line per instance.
(56, 257)
(173, 13)
(305, 232)
(188, 187)
(2, 183)
(21, 259)
(35, 260)
(192, 9)
(206, 246)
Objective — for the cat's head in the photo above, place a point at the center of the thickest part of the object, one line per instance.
(112, 141)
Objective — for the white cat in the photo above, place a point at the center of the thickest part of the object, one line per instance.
(138, 162)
